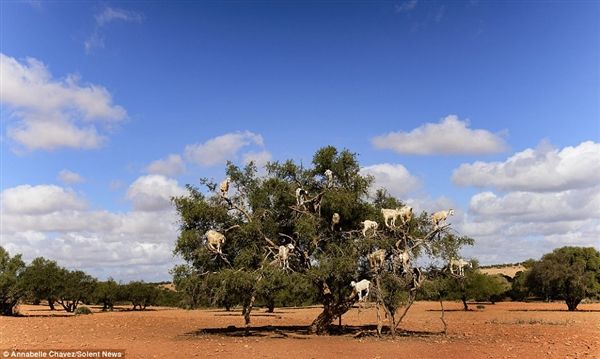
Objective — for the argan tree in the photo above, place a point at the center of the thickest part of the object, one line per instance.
(107, 293)
(43, 280)
(141, 294)
(11, 281)
(292, 204)
(76, 287)
(568, 273)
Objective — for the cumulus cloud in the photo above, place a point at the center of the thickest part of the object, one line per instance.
(393, 177)
(552, 199)
(41, 199)
(69, 177)
(55, 223)
(218, 150)
(172, 165)
(153, 192)
(52, 113)
(450, 136)
(541, 169)
(259, 158)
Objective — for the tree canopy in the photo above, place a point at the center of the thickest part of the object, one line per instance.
(568, 273)
(320, 211)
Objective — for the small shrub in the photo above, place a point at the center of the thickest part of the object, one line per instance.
(480, 306)
(83, 310)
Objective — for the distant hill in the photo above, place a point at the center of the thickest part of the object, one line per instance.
(509, 270)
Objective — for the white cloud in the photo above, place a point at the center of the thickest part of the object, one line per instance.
(260, 159)
(553, 200)
(41, 199)
(524, 207)
(541, 169)
(172, 165)
(70, 177)
(153, 192)
(110, 14)
(106, 16)
(51, 113)
(393, 177)
(54, 222)
(450, 136)
(218, 150)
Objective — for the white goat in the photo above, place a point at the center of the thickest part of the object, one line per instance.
(460, 264)
(376, 259)
(215, 240)
(224, 187)
(329, 175)
(369, 225)
(360, 287)
(404, 259)
(405, 213)
(441, 216)
(284, 254)
(301, 195)
(335, 220)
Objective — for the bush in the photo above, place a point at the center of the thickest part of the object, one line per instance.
(83, 310)
(11, 282)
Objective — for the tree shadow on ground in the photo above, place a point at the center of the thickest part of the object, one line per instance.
(302, 331)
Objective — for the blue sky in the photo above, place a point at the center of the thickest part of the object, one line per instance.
(491, 108)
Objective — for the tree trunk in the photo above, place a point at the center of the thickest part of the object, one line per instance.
(270, 306)
(51, 304)
(572, 303)
(442, 317)
(248, 307)
(464, 300)
(330, 311)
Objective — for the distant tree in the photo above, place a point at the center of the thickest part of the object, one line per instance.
(568, 273)
(77, 287)
(11, 281)
(519, 289)
(528, 263)
(43, 280)
(191, 285)
(141, 294)
(484, 287)
(169, 298)
(107, 293)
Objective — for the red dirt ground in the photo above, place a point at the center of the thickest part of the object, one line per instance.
(503, 330)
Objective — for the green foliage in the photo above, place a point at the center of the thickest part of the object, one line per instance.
(107, 293)
(484, 287)
(83, 310)
(568, 273)
(191, 285)
(519, 289)
(76, 287)
(528, 264)
(11, 282)
(43, 280)
(141, 294)
(473, 286)
(395, 291)
(261, 213)
(169, 298)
